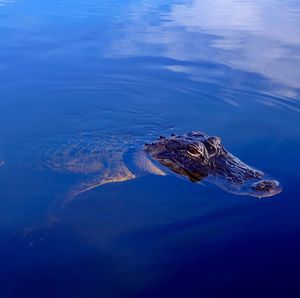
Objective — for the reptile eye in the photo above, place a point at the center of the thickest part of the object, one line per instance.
(193, 151)
(210, 148)
(212, 143)
(214, 140)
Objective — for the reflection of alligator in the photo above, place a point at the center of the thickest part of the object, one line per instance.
(99, 160)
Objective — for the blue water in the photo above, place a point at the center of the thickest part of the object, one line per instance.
(229, 68)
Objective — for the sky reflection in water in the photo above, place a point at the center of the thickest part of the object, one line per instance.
(253, 36)
(147, 68)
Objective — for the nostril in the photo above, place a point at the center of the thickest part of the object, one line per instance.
(267, 187)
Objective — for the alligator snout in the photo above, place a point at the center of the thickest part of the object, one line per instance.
(199, 156)
(266, 188)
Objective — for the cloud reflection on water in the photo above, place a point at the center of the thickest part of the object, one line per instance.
(253, 36)
(5, 2)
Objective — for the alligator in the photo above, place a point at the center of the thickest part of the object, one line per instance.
(95, 160)
(193, 155)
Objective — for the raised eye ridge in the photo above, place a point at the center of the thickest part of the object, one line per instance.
(192, 150)
(214, 140)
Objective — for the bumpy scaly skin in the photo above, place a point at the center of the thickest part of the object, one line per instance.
(96, 159)
(198, 156)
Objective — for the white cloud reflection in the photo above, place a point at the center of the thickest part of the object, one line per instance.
(255, 36)
(5, 2)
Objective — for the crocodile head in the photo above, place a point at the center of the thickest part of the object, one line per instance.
(198, 156)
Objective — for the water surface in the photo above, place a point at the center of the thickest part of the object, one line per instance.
(147, 68)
